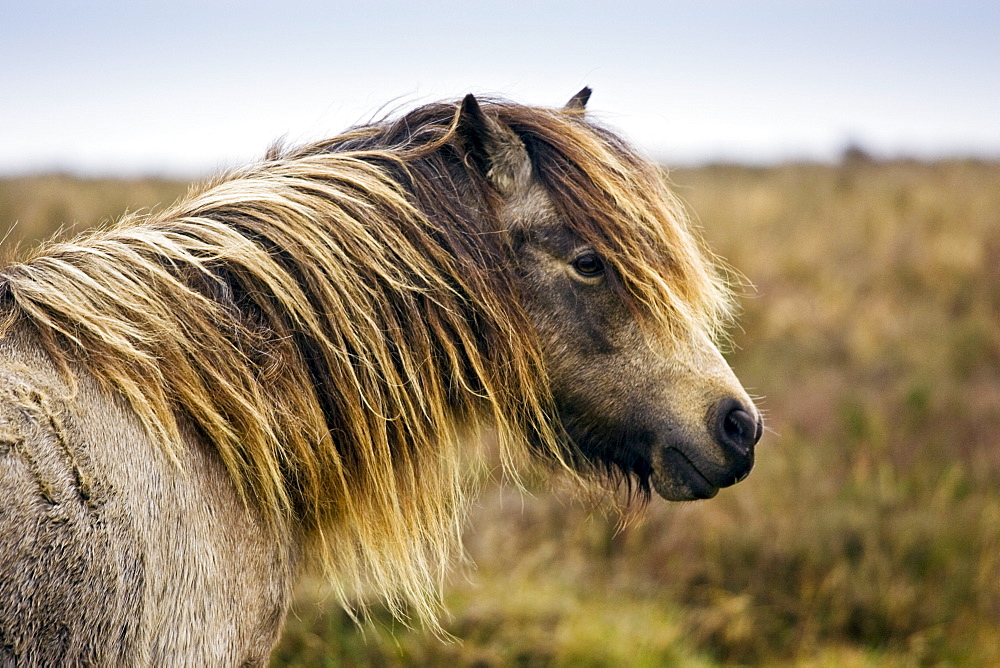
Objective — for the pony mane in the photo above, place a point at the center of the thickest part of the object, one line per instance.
(337, 320)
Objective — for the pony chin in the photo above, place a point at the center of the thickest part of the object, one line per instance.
(675, 477)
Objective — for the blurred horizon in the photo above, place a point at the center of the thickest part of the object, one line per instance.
(184, 89)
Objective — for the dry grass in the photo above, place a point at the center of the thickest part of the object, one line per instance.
(869, 534)
(37, 207)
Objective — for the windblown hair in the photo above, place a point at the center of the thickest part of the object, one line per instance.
(335, 319)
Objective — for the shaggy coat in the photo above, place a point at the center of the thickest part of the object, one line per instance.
(291, 367)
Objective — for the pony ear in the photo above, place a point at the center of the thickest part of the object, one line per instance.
(474, 130)
(492, 148)
(579, 101)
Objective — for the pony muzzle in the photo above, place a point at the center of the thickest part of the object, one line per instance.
(685, 471)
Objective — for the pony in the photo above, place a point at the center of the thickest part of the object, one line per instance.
(294, 368)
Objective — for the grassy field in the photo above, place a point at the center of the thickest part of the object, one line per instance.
(868, 534)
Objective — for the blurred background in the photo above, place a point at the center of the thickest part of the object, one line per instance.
(845, 157)
(185, 87)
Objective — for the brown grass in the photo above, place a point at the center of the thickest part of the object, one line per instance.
(869, 534)
(36, 207)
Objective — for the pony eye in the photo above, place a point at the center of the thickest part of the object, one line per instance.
(588, 265)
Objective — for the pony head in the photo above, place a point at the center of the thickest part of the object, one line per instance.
(626, 304)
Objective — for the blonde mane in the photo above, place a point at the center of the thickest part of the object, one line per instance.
(336, 319)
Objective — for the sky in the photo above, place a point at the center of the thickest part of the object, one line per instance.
(186, 88)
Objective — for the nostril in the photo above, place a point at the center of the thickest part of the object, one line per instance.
(740, 428)
(737, 429)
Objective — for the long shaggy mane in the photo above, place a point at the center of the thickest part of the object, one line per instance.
(338, 319)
